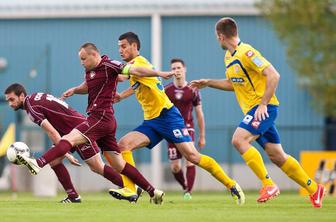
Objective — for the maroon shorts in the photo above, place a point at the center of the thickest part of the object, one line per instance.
(100, 127)
(173, 153)
(86, 151)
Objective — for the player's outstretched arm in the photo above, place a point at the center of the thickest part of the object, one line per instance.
(145, 72)
(222, 84)
(81, 89)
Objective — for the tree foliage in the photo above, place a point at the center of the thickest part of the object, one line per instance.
(308, 28)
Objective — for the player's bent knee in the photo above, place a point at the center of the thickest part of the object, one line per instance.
(193, 157)
(235, 141)
(124, 145)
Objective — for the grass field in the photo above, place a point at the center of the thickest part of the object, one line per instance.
(210, 206)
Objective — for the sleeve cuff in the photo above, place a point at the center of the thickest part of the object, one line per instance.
(126, 69)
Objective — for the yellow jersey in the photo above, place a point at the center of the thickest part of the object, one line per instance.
(244, 70)
(149, 91)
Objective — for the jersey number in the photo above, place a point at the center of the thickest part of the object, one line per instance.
(51, 98)
(159, 84)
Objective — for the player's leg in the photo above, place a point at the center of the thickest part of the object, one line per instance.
(242, 141)
(188, 150)
(191, 170)
(291, 167)
(127, 143)
(109, 145)
(59, 150)
(97, 165)
(170, 125)
(174, 157)
(249, 130)
(120, 165)
(190, 176)
(64, 178)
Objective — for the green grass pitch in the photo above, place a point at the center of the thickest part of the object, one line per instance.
(205, 206)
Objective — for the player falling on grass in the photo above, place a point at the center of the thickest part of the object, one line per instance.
(100, 126)
(254, 81)
(162, 120)
(185, 99)
(57, 119)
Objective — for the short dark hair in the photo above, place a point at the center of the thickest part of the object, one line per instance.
(89, 46)
(227, 26)
(177, 60)
(17, 88)
(131, 37)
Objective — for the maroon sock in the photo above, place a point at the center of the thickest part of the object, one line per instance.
(64, 178)
(57, 151)
(180, 178)
(113, 176)
(132, 173)
(191, 174)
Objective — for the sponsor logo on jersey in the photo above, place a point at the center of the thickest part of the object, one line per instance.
(177, 133)
(85, 147)
(249, 53)
(237, 80)
(92, 74)
(255, 124)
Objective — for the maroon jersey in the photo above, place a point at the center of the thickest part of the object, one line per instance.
(41, 106)
(102, 84)
(184, 99)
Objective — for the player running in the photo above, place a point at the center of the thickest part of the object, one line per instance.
(254, 81)
(162, 120)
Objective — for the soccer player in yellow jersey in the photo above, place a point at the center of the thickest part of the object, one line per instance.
(162, 120)
(254, 81)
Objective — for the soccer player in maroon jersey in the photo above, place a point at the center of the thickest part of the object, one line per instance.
(100, 83)
(185, 99)
(57, 118)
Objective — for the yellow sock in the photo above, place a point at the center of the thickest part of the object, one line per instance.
(213, 167)
(128, 157)
(254, 160)
(294, 170)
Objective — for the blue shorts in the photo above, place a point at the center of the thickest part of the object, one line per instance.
(266, 128)
(169, 126)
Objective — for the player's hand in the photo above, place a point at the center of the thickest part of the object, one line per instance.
(116, 98)
(166, 75)
(68, 93)
(201, 142)
(199, 84)
(72, 160)
(261, 112)
(122, 78)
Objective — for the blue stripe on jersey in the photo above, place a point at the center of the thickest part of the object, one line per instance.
(244, 70)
